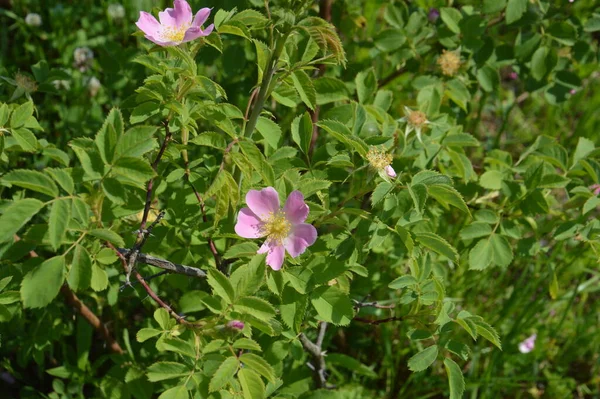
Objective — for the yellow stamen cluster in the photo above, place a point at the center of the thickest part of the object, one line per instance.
(379, 159)
(26, 83)
(276, 227)
(417, 118)
(172, 34)
(449, 61)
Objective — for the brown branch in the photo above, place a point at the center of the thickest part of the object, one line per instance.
(374, 304)
(148, 289)
(317, 365)
(85, 312)
(91, 318)
(164, 264)
(388, 79)
(378, 321)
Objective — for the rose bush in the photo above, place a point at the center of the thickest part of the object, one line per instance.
(437, 167)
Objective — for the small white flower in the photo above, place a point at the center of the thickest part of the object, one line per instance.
(83, 58)
(528, 344)
(116, 11)
(33, 19)
(93, 86)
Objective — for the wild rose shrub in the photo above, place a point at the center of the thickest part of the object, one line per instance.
(346, 199)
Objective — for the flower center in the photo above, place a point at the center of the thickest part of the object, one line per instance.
(173, 34)
(379, 159)
(277, 227)
(417, 118)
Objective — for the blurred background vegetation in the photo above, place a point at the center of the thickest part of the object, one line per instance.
(509, 116)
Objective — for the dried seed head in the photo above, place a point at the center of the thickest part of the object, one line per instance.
(417, 118)
(26, 83)
(449, 61)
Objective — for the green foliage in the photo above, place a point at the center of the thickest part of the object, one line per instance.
(487, 233)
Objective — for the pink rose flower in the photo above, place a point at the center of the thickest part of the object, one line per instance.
(595, 189)
(284, 228)
(176, 25)
(528, 344)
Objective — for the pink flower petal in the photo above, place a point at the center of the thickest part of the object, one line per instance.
(194, 33)
(201, 17)
(296, 211)
(208, 30)
(183, 13)
(303, 235)
(275, 254)
(263, 202)
(248, 224)
(148, 24)
(167, 18)
(390, 171)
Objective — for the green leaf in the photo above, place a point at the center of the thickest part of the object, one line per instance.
(458, 92)
(456, 381)
(341, 133)
(144, 111)
(332, 305)
(418, 193)
(60, 214)
(591, 204)
(302, 131)
(221, 285)
(538, 63)
(447, 195)
(493, 6)
(210, 139)
(584, 148)
(135, 170)
(32, 180)
(224, 374)
(486, 331)
(178, 392)
(494, 249)
(475, 230)
(423, 359)
(25, 139)
(438, 245)
(252, 385)
(305, 88)
(330, 90)
(16, 215)
(146, 333)
(259, 365)
(63, 178)
(429, 177)
(451, 17)
(389, 40)
(136, 142)
(381, 192)
(114, 190)
(591, 25)
(256, 307)
(492, 180)
(8, 297)
(106, 141)
(242, 250)
(403, 281)
(247, 343)
(161, 371)
(99, 280)
(258, 162)
(21, 114)
(108, 235)
(488, 78)
(80, 273)
(309, 187)
(366, 85)
(515, 9)
(270, 131)
(351, 364)
(460, 140)
(41, 285)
